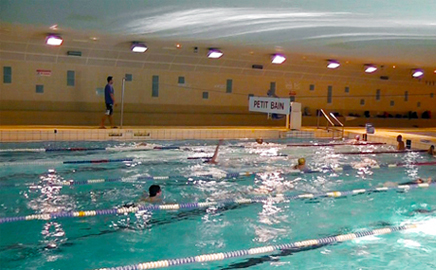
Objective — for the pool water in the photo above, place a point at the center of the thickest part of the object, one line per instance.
(27, 187)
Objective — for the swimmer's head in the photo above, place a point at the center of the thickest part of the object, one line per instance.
(399, 138)
(419, 181)
(259, 141)
(154, 190)
(357, 138)
(301, 161)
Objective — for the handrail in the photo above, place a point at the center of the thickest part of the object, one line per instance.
(336, 119)
(326, 117)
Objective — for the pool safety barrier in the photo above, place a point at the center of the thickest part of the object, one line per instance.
(332, 144)
(382, 152)
(279, 198)
(263, 250)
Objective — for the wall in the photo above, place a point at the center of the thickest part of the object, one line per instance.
(183, 104)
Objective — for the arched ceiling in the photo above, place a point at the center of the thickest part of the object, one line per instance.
(389, 32)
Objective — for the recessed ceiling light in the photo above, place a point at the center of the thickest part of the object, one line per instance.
(94, 38)
(370, 68)
(278, 59)
(138, 47)
(417, 73)
(178, 45)
(54, 40)
(214, 53)
(393, 66)
(332, 64)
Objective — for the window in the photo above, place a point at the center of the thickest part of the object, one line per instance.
(292, 98)
(181, 80)
(377, 94)
(347, 89)
(312, 87)
(205, 95)
(128, 77)
(39, 89)
(329, 94)
(418, 105)
(272, 89)
(406, 96)
(155, 86)
(250, 95)
(71, 77)
(362, 102)
(7, 74)
(229, 86)
(431, 95)
(392, 103)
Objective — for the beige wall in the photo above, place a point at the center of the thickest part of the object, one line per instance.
(184, 105)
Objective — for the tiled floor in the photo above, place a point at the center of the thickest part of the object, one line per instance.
(420, 138)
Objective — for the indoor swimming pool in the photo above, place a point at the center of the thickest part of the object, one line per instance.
(253, 197)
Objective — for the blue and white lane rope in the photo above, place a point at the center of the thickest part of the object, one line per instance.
(262, 250)
(55, 162)
(200, 205)
(77, 149)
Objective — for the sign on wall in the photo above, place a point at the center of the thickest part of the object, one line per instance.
(43, 72)
(269, 105)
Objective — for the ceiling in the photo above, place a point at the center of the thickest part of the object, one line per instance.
(389, 32)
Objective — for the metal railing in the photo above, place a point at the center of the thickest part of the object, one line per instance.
(333, 123)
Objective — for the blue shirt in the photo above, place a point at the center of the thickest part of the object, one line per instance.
(108, 90)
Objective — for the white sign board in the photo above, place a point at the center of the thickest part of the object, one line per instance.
(269, 105)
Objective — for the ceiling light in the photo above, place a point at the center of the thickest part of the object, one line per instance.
(178, 46)
(417, 73)
(214, 53)
(278, 59)
(138, 47)
(333, 64)
(53, 40)
(370, 68)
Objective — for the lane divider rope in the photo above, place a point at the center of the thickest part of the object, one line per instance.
(332, 144)
(199, 205)
(77, 149)
(382, 152)
(262, 250)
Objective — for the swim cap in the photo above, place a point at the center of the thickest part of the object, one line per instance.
(301, 161)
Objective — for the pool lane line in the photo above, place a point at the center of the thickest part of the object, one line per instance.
(262, 250)
(210, 176)
(78, 149)
(96, 161)
(332, 144)
(279, 198)
(382, 152)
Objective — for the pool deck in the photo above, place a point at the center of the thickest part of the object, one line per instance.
(420, 138)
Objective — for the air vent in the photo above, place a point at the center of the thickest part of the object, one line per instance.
(384, 78)
(257, 66)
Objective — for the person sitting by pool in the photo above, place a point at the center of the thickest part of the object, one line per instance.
(301, 165)
(154, 195)
(212, 160)
(400, 146)
(414, 182)
(431, 150)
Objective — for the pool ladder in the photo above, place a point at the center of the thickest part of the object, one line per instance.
(333, 124)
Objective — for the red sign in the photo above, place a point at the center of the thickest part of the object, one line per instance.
(43, 72)
(292, 93)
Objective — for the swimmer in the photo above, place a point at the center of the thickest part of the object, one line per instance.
(415, 182)
(366, 162)
(260, 141)
(154, 195)
(212, 160)
(301, 165)
(431, 151)
(400, 146)
(356, 140)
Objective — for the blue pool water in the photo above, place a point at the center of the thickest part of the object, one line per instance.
(26, 187)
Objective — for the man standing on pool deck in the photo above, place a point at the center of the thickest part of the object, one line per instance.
(110, 102)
